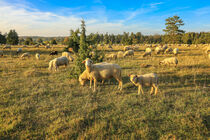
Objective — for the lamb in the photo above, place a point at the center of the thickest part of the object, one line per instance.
(25, 55)
(37, 56)
(55, 63)
(176, 51)
(54, 53)
(102, 71)
(84, 77)
(148, 51)
(19, 50)
(128, 53)
(7, 47)
(168, 61)
(168, 50)
(150, 79)
(112, 56)
(68, 55)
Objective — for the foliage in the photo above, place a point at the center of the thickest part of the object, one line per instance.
(12, 37)
(28, 41)
(2, 39)
(53, 42)
(173, 31)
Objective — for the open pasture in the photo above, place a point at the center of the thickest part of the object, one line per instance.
(38, 104)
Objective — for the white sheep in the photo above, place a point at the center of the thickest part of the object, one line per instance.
(102, 71)
(150, 79)
(159, 50)
(55, 63)
(176, 51)
(7, 47)
(19, 50)
(120, 54)
(148, 51)
(168, 61)
(25, 55)
(112, 56)
(168, 50)
(68, 55)
(128, 53)
(37, 56)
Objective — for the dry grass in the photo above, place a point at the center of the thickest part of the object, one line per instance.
(38, 104)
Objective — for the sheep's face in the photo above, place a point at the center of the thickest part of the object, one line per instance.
(88, 62)
(133, 78)
(82, 81)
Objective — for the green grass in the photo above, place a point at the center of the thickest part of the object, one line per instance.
(38, 104)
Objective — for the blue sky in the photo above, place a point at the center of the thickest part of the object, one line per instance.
(57, 17)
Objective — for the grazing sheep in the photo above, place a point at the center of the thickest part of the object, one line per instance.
(112, 56)
(37, 56)
(84, 77)
(165, 47)
(176, 51)
(47, 47)
(120, 54)
(148, 51)
(158, 50)
(68, 55)
(1, 53)
(128, 53)
(19, 50)
(168, 61)
(25, 55)
(150, 79)
(55, 63)
(126, 48)
(102, 71)
(54, 53)
(7, 47)
(168, 51)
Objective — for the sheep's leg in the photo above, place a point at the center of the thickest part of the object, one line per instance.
(95, 82)
(151, 90)
(91, 82)
(156, 88)
(141, 89)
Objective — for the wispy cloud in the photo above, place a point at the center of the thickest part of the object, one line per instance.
(202, 11)
(154, 5)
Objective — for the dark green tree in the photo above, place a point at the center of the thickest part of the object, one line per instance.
(173, 30)
(28, 41)
(12, 37)
(53, 41)
(2, 39)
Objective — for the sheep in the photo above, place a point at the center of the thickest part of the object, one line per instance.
(55, 63)
(128, 53)
(171, 60)
(120, 54)
(126, 48)
(176, 51)
(149, 79)
(112, 56)
(102, 71)
(207, 49)
(53, 53)
(7, 47)
(25, 55)
(148, 51)
(68, 55)
(168, 50)
(19, 50)
(1, 53)
(37, 56)
(84, 77)
(158, 50)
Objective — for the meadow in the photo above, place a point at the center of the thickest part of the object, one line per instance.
(38, 104)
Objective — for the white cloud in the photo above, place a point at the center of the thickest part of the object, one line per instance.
(29, 21)
(154, 5)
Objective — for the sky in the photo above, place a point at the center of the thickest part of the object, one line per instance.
(57, 17)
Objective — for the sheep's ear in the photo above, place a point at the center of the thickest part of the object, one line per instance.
(83, 61)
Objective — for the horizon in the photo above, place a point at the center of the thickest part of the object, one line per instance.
(53, 18)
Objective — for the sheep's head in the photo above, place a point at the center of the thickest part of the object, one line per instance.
(88, 62)
(82, 81)
(133, 78)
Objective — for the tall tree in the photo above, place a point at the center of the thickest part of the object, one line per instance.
(12, 37)
(2, 39)
(173, 30)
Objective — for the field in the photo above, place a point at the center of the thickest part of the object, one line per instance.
(38, 104)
